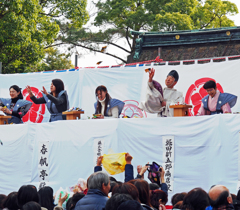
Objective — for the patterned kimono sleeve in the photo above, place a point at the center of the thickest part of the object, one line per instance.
(21, 111)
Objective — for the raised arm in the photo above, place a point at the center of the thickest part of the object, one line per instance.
(33, 98)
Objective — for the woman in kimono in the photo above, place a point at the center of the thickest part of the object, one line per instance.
(105, 105)
(56, 100)
(15, 106)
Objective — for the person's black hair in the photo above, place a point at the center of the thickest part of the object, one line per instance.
(112, 185)
(18, 89)
(210, 84)
(102, 88)
(69, 204)
(153, 186)
(2, 198)
(156, 196)
(196, 199)
(46, 197)
(112, 179)
(59, 85)
(133, 205)
(11, 201)
(27, 193)
(178, 197)
(31, 206)
(238, 195)
(74, 199)
(116, 200)
(221, 200)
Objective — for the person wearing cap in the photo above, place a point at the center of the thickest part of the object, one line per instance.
(158, 100)
(216, 102)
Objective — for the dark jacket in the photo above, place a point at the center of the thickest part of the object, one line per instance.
(94, 200)
(128, 171)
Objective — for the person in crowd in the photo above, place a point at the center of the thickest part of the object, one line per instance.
(10, 203)
(178, 205)
(98, 188)
(143, 190)
(2, 198)
(158, 101)
(131, 204)
(105, 105)
(196, 199)
(61, 200)
(158, 197)
(16, 106)
(220, 198)
(216, 102)
(56, 100)
(27, 193)
(46, 197)
(126, 188)
(31, 206)
(114, 202)
(178, 197)
(71, 203)
(128, 167)
(162, 174)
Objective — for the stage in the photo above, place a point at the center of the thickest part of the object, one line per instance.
(206, 150)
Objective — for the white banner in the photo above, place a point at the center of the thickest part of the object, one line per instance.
(168, 160)
(205, 146)
(127, 84)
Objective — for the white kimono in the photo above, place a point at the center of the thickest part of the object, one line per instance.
(153, 103)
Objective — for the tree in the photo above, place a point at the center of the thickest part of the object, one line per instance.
(117, 18)
(54, 60)
(28, 26)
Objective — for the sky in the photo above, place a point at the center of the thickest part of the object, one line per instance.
(86, 59)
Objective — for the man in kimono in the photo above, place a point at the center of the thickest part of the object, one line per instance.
(158, 101)
(216, 102)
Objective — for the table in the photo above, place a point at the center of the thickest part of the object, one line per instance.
(73, 115)
(180, 110)
(4, 119)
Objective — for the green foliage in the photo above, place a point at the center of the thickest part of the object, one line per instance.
(164, 15)
(54, 60)
(27, 26)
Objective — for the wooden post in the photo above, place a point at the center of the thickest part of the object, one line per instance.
(180, 110)
(4, 119)
(73, 115)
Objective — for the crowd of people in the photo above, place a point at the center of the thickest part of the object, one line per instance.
(104, 192)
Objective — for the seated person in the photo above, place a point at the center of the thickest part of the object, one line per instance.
(216, 102)
(105, 105)
(158, 100)
(15, 106)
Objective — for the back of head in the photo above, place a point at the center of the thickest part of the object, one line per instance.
(178, 205)
(59, 85)
(27, 193)
(210, 84)
(11, 201)
(196, 199)
(2, 198)
(126, 188)
(31, 206)
(96, 180)
(133, 205)
(116, 200)
(143, 190)
(221, 200)
(75, 198)
(46, 197)
(158, 197)
(153, 186)
(178, 197)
